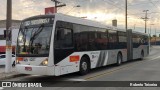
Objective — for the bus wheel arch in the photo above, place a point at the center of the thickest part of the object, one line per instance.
(119, 58)
(85, 65)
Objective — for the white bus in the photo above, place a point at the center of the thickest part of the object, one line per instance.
(59, 44)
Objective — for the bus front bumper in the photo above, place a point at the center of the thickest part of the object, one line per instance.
(35, 70)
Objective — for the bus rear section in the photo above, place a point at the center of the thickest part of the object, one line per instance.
(137, 45)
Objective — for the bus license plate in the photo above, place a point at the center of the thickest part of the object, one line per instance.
(28, 68)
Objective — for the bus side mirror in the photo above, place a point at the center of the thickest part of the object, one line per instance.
(4, 34)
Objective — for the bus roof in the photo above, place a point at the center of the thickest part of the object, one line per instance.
(140, 33)
(82, 21)
(78, 20)
(38, 16)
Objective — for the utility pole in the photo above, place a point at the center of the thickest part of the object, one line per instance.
(56, 2)
(145, 19)
(155, 36)
(8, 65)
(126, 15)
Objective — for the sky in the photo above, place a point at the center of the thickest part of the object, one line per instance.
(103, 11)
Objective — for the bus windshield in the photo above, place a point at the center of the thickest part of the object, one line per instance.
(34, 40)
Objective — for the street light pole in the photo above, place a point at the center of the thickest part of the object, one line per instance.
(8, 65)
(56, 5)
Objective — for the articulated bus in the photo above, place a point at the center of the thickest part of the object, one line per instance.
(60, 44)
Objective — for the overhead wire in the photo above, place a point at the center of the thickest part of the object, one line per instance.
(153, 4)
(130, 12)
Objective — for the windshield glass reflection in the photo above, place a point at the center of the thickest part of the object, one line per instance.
(34, 40)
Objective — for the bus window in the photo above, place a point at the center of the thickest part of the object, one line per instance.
(112, 39)
(136, 40)
(122, 40)
(63, 38)
(102, 40)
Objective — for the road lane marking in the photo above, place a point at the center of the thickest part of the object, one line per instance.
(106, 73)
(118, 69)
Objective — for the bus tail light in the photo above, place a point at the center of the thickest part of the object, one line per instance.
(45, 62)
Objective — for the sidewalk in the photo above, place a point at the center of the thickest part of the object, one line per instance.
(12, 74)
(155, 46)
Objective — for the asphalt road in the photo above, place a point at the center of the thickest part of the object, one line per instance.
(138, 70)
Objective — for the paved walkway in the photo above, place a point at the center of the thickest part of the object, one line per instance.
(4, 75)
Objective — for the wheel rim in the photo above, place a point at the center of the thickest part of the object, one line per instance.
(119, 59)
(84, 66)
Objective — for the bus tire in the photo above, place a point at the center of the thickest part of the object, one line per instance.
(84, 66)
(142, 55)
(119, 59)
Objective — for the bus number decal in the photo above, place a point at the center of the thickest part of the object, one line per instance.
(74, 58)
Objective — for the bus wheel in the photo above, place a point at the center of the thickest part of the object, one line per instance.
(119, 59)
(142, 55)
(84, 66)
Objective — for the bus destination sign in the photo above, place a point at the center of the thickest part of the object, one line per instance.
(38, 21)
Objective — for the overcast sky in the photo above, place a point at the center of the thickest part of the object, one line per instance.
(100, 10)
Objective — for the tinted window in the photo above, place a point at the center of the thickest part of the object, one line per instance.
(92, 36)
(81, 37)
(122, 38)
(63, 41)
(112, 39)
(63, 38)
(136, 40)
(102, 39)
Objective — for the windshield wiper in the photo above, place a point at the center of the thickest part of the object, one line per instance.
(23, 31)
(34, 36)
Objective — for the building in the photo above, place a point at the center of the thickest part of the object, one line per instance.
(15, 26)
(15, 23)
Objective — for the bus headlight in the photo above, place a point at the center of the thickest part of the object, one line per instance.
(45, 62)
